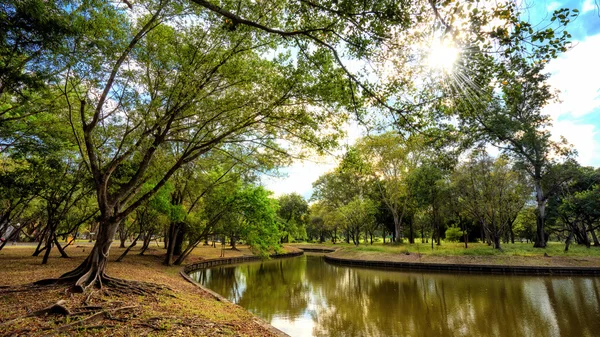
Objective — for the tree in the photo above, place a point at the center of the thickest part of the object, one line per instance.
(492, 193)
(293, 211)
(222, 94)
(574, 211)
(392, 158)
(358, 214)
(506, 90)
(428, 187)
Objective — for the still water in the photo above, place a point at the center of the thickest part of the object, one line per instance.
(305, 296)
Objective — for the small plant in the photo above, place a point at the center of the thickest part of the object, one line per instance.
(454, 234)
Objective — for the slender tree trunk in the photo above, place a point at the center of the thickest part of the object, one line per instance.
(233, 242)
(41, 238)
(61, 250)
(411, 239)
(133, 243)
(594, 237)
(540, 239)
(568, 242)
(122, 235)
(47, 249)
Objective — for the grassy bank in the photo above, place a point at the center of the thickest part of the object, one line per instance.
(518, 254)
(181, 310)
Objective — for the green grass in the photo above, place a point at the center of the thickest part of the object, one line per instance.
(475, 249)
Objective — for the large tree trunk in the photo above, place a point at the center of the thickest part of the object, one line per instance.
(91, 272)
(496, 240)
(540, 238)
(179, 240)
(173, 229)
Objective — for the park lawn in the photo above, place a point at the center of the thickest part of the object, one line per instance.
(517, 254)
(182, 310)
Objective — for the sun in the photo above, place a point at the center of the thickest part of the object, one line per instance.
(442, 56)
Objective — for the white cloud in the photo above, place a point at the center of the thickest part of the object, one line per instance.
(576, 74)
(300, 177)
(582, 137)
(552, 6)
(302, 173)
(588, 5)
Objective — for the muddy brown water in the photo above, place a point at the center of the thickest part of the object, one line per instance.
(306, 296)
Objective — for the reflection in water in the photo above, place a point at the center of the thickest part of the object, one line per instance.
(306, 296)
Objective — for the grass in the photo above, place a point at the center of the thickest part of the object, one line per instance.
(184, 310)
(476, 253)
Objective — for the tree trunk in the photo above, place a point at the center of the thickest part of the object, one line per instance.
(171, 245)
(146, 243)
(120, 258)
(411, 238)
(61, 250)
(179, 240)
(122, 235)
(397, 226)
(594, 237)
(568, 242)
(540, 238)
(48, 249)
(497, 242)
(233, 242)
(91, 272)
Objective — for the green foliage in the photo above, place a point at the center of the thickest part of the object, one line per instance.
(257, 219)
(293, 213)
(454, 234)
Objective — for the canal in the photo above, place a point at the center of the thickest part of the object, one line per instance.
(305, 296)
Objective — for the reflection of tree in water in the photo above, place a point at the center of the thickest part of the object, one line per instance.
(367, 302)
(265, 288)
(223, 280)
(276, 288)
(363, 302)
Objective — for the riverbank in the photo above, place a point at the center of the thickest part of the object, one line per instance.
(183, 309)
(518, 254)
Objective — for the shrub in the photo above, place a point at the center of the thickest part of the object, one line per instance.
(454, 234)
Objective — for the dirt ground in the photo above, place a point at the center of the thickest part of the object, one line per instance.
(180, 309)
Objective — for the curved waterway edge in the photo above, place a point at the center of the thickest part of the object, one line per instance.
(184, 272)
(467, 268)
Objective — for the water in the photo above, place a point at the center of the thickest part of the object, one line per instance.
(305, 296)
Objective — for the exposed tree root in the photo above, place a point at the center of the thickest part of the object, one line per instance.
(57, 308)
(87, 282)
(94, 318)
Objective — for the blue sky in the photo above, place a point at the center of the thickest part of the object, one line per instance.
(575, 74)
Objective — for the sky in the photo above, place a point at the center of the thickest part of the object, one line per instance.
(576, 116)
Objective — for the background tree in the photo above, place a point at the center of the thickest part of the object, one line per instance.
(392, 158)
(492, 193)
(293, 211)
